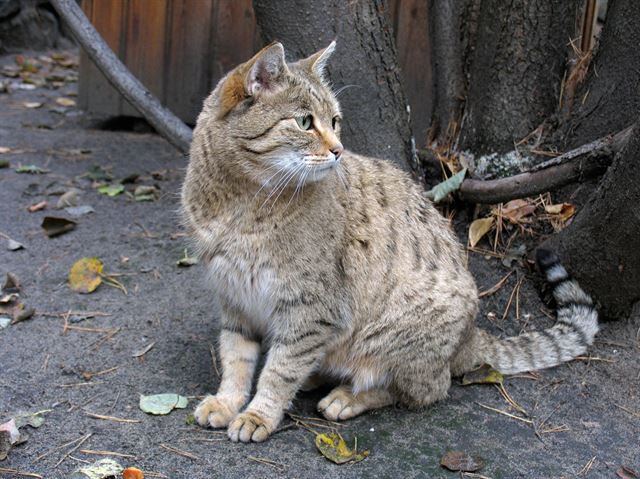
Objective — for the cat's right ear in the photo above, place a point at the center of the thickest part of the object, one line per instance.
(262, 73)
(267, 68)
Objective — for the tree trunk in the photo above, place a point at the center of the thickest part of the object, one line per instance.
(376, 117)
(516, 70)
(601, 246)
(609, 99)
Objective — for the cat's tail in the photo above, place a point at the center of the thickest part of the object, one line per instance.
(576, 326)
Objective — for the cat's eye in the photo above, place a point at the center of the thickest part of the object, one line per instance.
(305, 122)
(334, 122)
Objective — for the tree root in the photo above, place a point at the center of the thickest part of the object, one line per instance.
(585, 161)
(165, 122)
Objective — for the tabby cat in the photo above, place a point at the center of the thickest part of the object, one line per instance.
(337, 264)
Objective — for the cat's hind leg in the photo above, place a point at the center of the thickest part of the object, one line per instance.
(342, 403)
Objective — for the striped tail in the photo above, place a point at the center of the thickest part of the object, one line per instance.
(576, 326)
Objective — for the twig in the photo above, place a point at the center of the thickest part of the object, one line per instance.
(180, 452)
(588, 160)
(111, 418)
(82, 441)
(42, 456)
(528, 421)
(143, 351)
(165, 122)
(73, 385)
(268, 462)
(594, 358)
(587, 467)
(627, 410)
(106, 453)
(496, 286)
(17, 472)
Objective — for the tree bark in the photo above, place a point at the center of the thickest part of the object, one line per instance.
(516, 70)
(376, 118)
(609, 99)
(601, 247)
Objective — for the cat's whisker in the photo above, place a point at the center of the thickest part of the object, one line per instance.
(343, 88)
(284, 187)
(280, 188)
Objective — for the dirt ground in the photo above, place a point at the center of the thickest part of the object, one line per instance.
(581, 419)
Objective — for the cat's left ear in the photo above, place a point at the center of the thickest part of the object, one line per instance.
(317, 62)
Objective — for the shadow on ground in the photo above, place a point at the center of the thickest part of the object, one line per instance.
(582, 418)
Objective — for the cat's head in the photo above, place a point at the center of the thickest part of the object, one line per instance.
(280, 120)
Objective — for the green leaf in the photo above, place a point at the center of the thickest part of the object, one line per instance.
(31, 170)
(332, 446)
(441, 190)
(102, 469)
(35, 419)
(111, 190)
(187, 260)
(161, 404)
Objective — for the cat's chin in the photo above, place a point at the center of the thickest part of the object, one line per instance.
(318, 170)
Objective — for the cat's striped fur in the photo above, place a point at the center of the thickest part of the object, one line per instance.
(335, 263)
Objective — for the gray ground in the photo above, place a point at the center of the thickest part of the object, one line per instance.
(593, 406)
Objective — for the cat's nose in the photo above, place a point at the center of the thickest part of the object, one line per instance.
(337, 150)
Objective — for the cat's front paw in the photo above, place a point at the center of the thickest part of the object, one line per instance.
(250, 427)
(215, 412)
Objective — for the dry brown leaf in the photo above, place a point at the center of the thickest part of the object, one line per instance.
(478, 229)
(86, 275)
(516, 210)
(461, 461)
(563, 210)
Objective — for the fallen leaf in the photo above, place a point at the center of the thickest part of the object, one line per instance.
(132, 473)
(190, 420)
(485, 374)
(22, 313)
(517, 210)
(564, 211)
(9, 435)
(35, 419)
(69, 198)
(4, 164)
(38, 206)
(514, 254)
(4, 149)
(143, 351)
(187, 260)
(479, 228)
(79, 210)
(145, 193)
(161, 404)
(461, 461)
(11, 284)
(4, 322)
(441, 190)
(102, 469)
(332, 446)
(97, 173)
(625, 472)
(86, 275)
(55, 226)
(31, 170)
(13, 245)
(62, 101)
(32, 104)
(111, 190)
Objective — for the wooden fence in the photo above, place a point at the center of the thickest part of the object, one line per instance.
(180, 49)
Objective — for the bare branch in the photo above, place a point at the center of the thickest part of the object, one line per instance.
(165, 122)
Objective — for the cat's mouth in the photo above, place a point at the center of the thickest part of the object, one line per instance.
(321, 163)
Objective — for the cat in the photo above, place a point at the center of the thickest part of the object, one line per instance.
(335, 263)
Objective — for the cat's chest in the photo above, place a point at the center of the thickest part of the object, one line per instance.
(246, 281)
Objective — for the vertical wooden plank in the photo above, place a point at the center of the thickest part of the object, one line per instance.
(95, 92)
(414, 51)
(187, 62)
(145, 50)
(234, 38)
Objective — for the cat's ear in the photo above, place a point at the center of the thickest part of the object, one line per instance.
(262, 73)
(266, 69)
(317, 62)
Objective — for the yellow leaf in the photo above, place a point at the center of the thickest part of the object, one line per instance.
(86, 275)
(478, 229)
(563, 210)
(485, 374)
(62, 101)
(332, 446)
